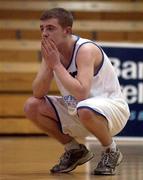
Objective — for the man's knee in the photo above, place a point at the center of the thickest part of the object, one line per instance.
(31, 107)
(85, 114)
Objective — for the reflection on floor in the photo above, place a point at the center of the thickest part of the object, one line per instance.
(30, 158)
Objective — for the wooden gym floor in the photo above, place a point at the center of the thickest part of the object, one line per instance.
(30, 158)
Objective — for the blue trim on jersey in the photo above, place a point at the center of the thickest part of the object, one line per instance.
(73, 52)
(56, 112)
(100, 66)
(87, 107)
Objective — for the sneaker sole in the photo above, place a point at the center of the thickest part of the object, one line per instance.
(120, 159)
(81, 161)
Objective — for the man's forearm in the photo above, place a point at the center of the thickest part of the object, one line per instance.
(71, 84)
(41, 84)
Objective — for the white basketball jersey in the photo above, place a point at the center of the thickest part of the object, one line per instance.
(105, 82)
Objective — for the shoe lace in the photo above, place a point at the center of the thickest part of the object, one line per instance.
(65, 157)
(108, 159)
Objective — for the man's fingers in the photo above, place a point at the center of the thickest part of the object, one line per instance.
(45, 49)
(52, 44)
(46, 45)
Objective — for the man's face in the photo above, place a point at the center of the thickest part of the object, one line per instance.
(51, 29)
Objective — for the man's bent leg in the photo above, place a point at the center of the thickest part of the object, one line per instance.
(43, 115)
(98, 126)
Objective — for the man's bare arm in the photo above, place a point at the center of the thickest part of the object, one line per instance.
(88, 58)
(41, 84)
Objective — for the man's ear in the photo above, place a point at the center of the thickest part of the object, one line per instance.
(68, 30)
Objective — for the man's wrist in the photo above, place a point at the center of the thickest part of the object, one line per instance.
(57, 66)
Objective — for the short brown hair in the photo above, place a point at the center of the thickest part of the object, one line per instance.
(64, 17)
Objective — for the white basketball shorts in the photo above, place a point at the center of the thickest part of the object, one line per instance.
(116, 112)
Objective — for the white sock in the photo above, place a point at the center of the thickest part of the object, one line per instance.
(73, 144)
(112, 146)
